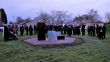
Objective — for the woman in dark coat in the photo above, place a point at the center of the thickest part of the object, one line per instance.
(78, 30)
(31, 30)
(83, 30)
(22, 30)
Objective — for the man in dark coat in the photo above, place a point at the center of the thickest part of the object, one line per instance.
(27, 30)
(6, 33)
(31, 30)
(93, 30)
(101, 32)
(73, 28)
(65, 28)
(88, 29)
(69, 30)
(78, 30)
(55, 27)
(104, 31)
(22, 30)
(83, 30)
(97, 30)
(50, 27)
(59, 28)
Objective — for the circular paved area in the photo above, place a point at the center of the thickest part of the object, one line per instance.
(35, 41)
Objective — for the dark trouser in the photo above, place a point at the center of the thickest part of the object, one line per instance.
(74, 32)
(61, 31)
(64, 31)
(97, 34)
(34, 31)
(26, 32)
(100, 35)
(94, 33)
(5, 38)
(104, 35)
(21, 33)
(69, 34)
(83, 33)
(91, 33)
(88, 33)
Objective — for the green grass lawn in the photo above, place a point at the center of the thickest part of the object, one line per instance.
(94, 50)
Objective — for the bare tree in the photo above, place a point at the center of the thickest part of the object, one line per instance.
(93, 15)
(54, 17)
(44, 17)
(19, 20)
(60, 16)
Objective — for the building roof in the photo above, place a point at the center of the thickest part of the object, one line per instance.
(72, 22)
(87, 21)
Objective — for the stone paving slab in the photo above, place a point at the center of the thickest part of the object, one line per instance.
(35, 41)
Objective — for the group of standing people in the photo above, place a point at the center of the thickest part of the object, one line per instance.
(29, 29)
(66, 29)
(97, 30)
(93, 30)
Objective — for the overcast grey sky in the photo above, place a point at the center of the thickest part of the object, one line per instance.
(25, 8)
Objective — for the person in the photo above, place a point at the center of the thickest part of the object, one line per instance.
(73, 28)
(65, 28)
(83, 30)
(35, 29)
(22, 30)
(6, 33)
(88, 29)
(15, 32)
(94, 30)
(50, 27)
(104, 31)
(78, 30)
(27, 30)
(91, 30)
(55, 27)
(99, 26)
(97, 30)
(101, 32)
(69, 30)
(31, 30)
(16, 27)
(59, 27)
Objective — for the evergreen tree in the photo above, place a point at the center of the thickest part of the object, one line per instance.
(3, 16)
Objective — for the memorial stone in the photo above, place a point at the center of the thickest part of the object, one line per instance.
(51, 35)
(41, 31)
